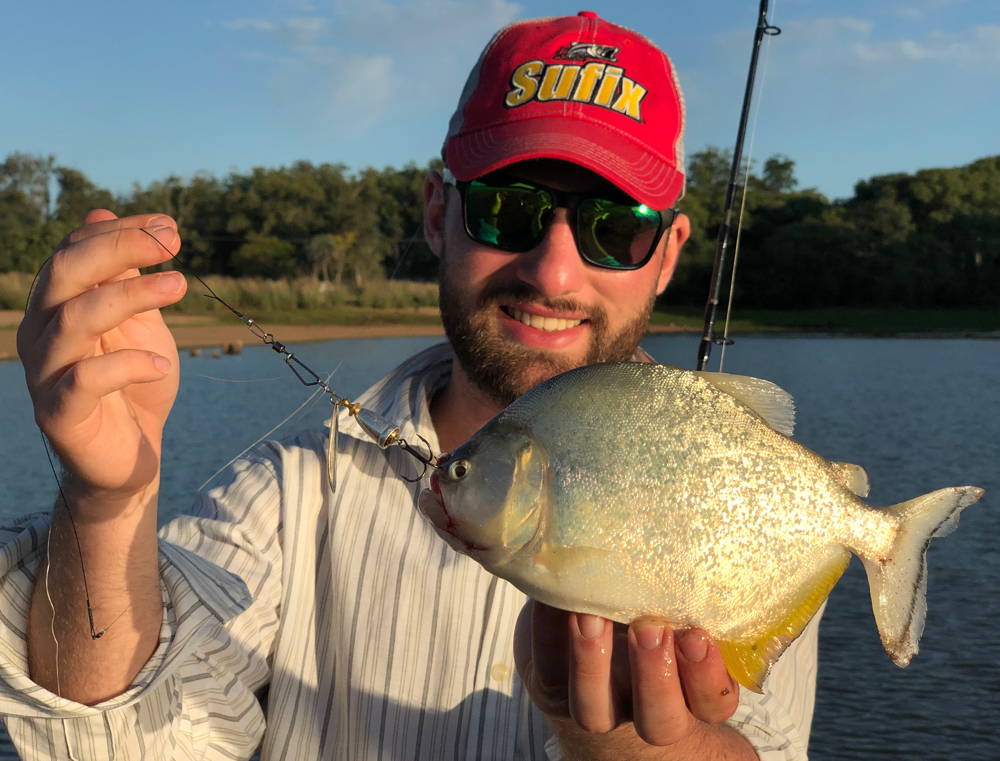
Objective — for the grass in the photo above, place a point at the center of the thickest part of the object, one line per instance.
(309, 302)
(14, 288)
(303, 294)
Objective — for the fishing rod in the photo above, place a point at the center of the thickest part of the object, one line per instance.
(708, 334)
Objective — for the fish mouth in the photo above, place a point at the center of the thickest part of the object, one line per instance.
(430, 504)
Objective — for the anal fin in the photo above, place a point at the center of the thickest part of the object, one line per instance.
(750, 663)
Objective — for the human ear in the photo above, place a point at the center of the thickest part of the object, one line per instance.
(434, 211)
(680, 231)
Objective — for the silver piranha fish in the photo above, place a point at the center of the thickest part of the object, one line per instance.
(626, 490)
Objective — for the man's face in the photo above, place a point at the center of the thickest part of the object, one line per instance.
(516, 320)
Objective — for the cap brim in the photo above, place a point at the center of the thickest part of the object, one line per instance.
(644, 176)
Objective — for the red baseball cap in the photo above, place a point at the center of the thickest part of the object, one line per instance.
(576, 88)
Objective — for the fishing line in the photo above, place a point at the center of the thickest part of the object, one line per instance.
(313, 398)
(236, 380)
(743, 200)
(52, 605)
(94, 634)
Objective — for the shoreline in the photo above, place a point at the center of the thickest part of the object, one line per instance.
(205, 332)
(189, 336)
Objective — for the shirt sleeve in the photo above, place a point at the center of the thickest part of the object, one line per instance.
(220, 583)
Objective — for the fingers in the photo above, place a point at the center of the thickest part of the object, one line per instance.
(103, 258)
(79, 391)
(81, 321)
(522, 642)
(102, 221)
(712, 694)
(678, 685)
(97, 258)
(659, 712)
(593, 702)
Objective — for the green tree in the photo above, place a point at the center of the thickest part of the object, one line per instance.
(24, 207)
(328, 251)
(779, 174)
(265, 256)
(78, 196)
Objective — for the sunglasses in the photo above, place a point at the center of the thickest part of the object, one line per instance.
(513, 215)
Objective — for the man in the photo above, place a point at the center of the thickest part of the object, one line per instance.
(555, 232)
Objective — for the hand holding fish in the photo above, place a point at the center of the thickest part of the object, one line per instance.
(608, 691)
(102, 370)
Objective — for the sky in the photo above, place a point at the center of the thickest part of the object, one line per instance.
(135, 92)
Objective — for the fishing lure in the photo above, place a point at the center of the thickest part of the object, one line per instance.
(382, 431)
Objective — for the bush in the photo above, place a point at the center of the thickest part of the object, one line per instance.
(14, 289)
(303, 293)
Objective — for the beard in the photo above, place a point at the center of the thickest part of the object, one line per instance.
(503, 369)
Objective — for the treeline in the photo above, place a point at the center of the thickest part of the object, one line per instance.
(929, 239)
(303, 220)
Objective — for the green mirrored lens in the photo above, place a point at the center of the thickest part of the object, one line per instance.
(510, 217)
(614, 235)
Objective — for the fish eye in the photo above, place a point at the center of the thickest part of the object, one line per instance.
(459, 469)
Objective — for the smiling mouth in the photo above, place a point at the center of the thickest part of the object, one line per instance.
(548, 324)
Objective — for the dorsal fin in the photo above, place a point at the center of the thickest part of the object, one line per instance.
(771, 402)
(854, 477)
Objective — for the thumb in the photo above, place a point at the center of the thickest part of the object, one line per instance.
(522, 642)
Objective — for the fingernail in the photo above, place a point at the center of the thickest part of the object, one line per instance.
(160, 221)
(162, 363)
(693, 646)
(648, 635)
(166, 235)
(591, 627)
(170, 282)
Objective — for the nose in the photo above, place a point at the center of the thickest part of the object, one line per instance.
(554, 266)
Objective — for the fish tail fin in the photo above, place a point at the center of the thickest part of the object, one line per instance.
(899, 584)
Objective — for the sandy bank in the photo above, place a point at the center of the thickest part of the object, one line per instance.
(190, 336)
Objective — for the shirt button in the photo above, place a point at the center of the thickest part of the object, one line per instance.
(499, 671)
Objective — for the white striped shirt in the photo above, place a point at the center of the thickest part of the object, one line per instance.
(377, 640)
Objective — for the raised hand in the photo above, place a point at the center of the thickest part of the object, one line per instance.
(644, 691)
(100, 363)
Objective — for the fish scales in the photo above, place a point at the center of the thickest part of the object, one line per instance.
(611, 492)
(633, 489)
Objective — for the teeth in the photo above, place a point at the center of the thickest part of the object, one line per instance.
(549, 324)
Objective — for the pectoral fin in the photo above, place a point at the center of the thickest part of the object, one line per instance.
(771, 402)
(854, 477)
(749, 663)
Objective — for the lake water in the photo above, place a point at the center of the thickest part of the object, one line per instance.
(918, 414)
